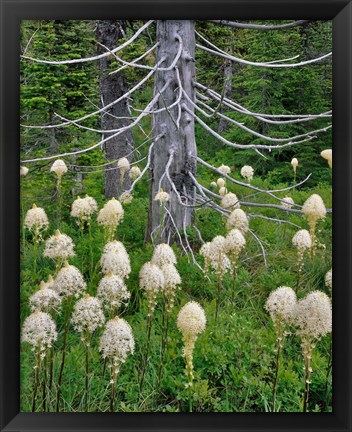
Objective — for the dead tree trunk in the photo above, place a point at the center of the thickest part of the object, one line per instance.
(177, 142)
(227, 92)
(113, 86)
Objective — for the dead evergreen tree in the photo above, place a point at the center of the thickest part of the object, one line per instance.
(179, 101)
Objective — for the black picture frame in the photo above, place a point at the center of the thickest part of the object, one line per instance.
(12, 11)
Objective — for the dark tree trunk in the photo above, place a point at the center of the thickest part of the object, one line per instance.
(227, 91)
(180, 142)
(113, 86)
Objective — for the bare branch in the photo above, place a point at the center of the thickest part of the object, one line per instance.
(235, 24)
(87, 59)
(244, 146)
(219, 52)
(139, 118)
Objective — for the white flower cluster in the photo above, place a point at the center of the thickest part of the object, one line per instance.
(59, 246)
(117, 341)
(328, 279)
(281, 305)
(83, 209)
(59, 168)
(172, 280)
(163, 254)
(287, 202)
(69, 281)
(162, 196)
(294, 163)
(151, 279)
(115, 259)
(123, 165)
(224, 169)
(238, 220)
(220, 182)
(313, 315)
(36, 220)
(45, 299)
(191, 322)
(126, 198)
(223, 191)
(110, 216)
(230, 201)
(314, 209)
(87, 315)
(327, 154)
(302, 241)
(39, 330)
(247, 172)
(23, 171)
(215, 256)
(234, 243)
(191, 319)
(112, 292)
(135, 172)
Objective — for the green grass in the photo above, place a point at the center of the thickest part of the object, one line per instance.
(233, 359)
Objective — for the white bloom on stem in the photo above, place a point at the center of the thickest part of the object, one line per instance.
(126, 198)
(294, 163)
(115, 259)
(238, 220)
(302, 241)
(234, 242)
(69, 281)
(87, 315)
(83, 209)
(220, 182)
(39, 330)
(224, 169)
(123, 164)
(223, 191)
(45, 299)
(281, 305)
(191, 319)
(112, 292)
(213, 185)
(328, 279)
(287, 202)
(247, 172)
(191, 322)
(230, 201)
(111, 215)
(172, 280)
(59, 246)
(151, 280)
(313, 315)
(36, 220)
(314, 208)
(327, 154)
(59, 168)
(23, 171)
(135, 172)
(117, 341)
(162, 196)
(163, 254)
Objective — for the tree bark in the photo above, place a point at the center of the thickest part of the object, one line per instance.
(228, 73)
(178, 142)
(108, 33)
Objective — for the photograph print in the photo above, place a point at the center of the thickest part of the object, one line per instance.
(176, 216)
